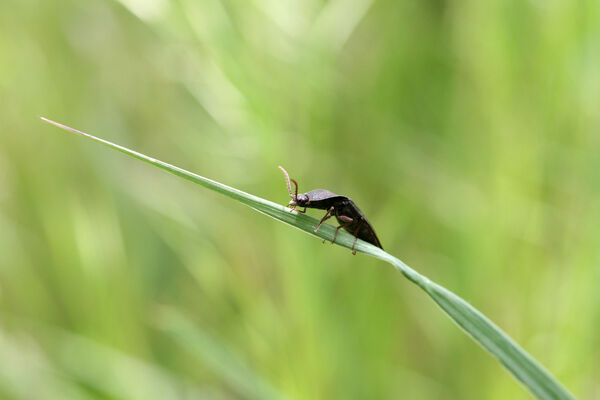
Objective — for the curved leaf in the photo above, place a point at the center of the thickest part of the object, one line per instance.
(524, 367)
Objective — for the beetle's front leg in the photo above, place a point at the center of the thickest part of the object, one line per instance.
(327, 216)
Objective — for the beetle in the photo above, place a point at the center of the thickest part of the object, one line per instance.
(342, 208)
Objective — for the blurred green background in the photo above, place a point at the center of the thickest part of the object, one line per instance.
(467, 132)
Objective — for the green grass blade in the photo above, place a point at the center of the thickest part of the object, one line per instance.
(524, 367)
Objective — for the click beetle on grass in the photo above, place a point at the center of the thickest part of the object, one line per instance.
(342, 208)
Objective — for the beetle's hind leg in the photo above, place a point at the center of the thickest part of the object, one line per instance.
(356, 234)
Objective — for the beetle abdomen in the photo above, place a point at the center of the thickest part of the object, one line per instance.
(360, 226)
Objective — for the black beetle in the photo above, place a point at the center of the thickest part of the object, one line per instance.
(345, 211)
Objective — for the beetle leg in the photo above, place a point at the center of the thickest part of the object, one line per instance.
(295, 209)
(356, 233)
(347, 221)
(327, 216)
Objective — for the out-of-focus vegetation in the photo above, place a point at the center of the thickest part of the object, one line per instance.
(468, 132)
(525, 369)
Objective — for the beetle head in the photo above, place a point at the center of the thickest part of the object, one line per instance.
(299, 200)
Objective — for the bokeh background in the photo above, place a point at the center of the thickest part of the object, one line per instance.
(467, 131)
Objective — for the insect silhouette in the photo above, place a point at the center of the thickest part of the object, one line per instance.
(342, 208)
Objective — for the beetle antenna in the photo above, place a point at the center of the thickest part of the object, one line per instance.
(296, 185)
(287, 178)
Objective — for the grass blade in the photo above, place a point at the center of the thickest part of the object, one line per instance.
(524, 367)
